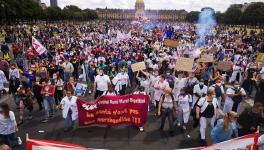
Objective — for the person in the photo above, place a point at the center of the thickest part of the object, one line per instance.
(190, 82)
(225, 128)
(206, 111)
(37, 86)
(144, 80)
(26, 101)
(101, 84)
(199, 90)
(13, 86)
(153, 79)
(48, 91)
(4, 66)
(110, 91)
(250, 119)
(121, 81)
(159, 87)
(184, 103)
(141, 90)
(13, 72)
(2, 81)
(4, 147)
(237, 73)
(8, 125)
(68, 69)
(219, 92)
(59, 88)
(69, 110)
(166, 106)
(234, 97)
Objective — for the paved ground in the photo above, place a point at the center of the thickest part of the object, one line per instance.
(119, 138)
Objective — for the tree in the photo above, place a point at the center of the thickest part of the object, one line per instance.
(192, 16)
(232, 15)
(53, 13)
(219, 17)
(254, 14)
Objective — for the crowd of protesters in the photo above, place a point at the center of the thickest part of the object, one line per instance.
(95, 58)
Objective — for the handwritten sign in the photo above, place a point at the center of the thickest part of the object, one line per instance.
(224, 65)
(206, 58)
(171, 43)
(138, 66)
(260, 57)
(184, 64)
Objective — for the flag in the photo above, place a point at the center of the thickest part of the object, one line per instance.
(33, 144)
(38, 46)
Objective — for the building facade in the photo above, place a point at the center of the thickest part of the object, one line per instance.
(53, 3)
(141, 12)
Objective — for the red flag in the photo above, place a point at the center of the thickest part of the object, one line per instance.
(33, 144)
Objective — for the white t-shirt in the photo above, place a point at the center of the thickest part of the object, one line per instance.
(159, 91)
(102, 82)
(199, 91)
(184, 102)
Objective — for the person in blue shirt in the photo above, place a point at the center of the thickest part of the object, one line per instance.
(225, 128)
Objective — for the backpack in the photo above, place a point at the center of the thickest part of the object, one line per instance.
(218, 91)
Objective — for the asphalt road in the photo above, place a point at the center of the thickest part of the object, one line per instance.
(100, 137)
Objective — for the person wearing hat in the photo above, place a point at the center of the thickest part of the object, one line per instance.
(101, 83)
(167, 105)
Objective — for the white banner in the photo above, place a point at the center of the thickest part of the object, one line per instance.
(247, 142)
(38, 46)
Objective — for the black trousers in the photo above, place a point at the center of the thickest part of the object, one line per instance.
(123, 90)
(39, 100)
(58, 96)
(167, 113)
(98, 94)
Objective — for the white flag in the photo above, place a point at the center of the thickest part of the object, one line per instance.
(38, 46)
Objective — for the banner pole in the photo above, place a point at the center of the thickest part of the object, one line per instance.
(27, 136)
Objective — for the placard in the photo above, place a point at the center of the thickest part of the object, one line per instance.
(184, 64)
(138, 66)
(206, 58)
(260, 57)
(171, 43)
(224, 65)
(229, 52)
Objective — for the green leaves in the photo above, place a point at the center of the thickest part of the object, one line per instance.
(29, 10)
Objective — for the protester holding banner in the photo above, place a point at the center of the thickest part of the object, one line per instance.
(101, 83)
(159, 86)
(121, 81)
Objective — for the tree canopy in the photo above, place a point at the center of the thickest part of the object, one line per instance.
(11, 10)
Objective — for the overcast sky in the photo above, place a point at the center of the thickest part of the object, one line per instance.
(189, 5)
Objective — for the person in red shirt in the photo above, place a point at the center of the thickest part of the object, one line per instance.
(47, 92)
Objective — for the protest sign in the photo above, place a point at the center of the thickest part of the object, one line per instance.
(184, 64)
(224, 65)
(229, 52)
(247, 142)
(260, 57)
(114, 110)
(38, 46)
(171, 43)
(138, 66)
(206, 58)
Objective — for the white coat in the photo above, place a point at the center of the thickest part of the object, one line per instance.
(236, 70)
(66, 104)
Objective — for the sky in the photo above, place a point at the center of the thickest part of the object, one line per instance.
(189, 5)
